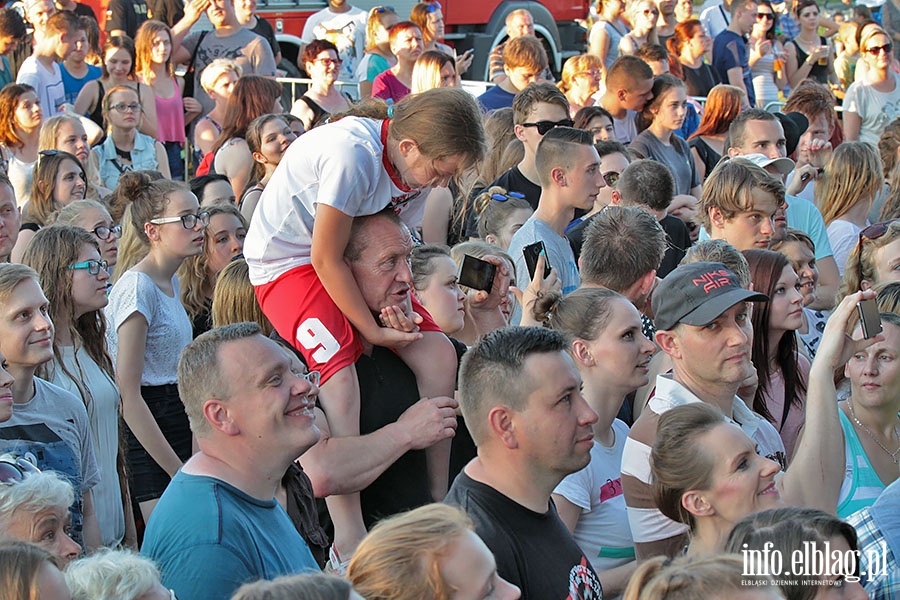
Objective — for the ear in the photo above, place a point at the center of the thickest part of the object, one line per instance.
(696, 503)
(216, 413)
(581, 353)
(616, 198)
(407, 147)
(732, 152)
(648, 281)
(620, 95)
(668, 341)
(151, 231)
(519, 130)
(558, 176)
(865, 284)
(490, 239)
(716, 218)
(258, 157)
(501, 420)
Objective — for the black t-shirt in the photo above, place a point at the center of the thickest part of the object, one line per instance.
(700, 80)
(264, 28)
(126, 15)
(167, 11)
(511, 181)
(387, 388)
(533, 551)
(83, 10)
(678, 240)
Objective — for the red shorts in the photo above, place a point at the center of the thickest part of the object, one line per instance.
(303, 313)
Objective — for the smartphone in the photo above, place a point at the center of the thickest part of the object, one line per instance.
(531, 252)
(476, 273)
(869, 318)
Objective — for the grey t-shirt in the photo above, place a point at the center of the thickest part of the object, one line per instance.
(252, 52)
(676, 156)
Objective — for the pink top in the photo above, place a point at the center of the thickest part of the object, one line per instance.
(387, 86)
(790, 430)
(170, 118)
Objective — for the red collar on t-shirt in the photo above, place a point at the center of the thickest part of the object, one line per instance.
(391, 170)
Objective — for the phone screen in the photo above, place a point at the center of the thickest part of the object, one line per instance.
(476, 273)
(869, 318)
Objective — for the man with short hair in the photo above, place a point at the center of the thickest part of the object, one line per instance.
(10, 218)
(569, 169)
(62, 34)
(629, 87)
(665, 26)
(37, 13)
(756, 131)
(218, 524)
(730, 54)
(524, 59)
(229, 39)
(519, 23)
(521, 399)
(344, 26)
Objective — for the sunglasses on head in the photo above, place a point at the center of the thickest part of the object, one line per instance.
(433, 6)
(872, 232)
(14, 469)
(544, 126)
(383, 9)
(507, 196)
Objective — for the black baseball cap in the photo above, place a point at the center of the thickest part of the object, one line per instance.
(697, 294)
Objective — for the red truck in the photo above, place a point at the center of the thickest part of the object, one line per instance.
(469, 24)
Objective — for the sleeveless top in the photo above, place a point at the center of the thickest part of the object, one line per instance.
(763, 74)
(319, 113)
(96, 115)
(170, 117)
(861, 485)
(615, 36)
(709, 156)
(818, 72)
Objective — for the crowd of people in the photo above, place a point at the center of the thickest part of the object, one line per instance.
(614, 335)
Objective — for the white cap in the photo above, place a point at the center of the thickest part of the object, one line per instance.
(782, 165)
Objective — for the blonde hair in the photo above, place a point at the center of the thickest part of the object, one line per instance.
(49, 133)
(860, 264)
(20, 567)
(426, 73)
(374, 21)
(111, 575)
(730, 188)
(234, 300)
(853, 174)
(574, 66)
(11, 275)
(400, 557)
(216, 69)
(687, 578)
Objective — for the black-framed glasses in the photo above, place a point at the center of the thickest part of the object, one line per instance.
(544, 126)
(123, 108)
(104, 233)
(14, 469)
(872, 232)
(766, 16)
(91, 266)
(187, 221)
(875, 50)
(507, 196)
(611, 178)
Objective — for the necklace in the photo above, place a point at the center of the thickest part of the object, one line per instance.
(123, 154)
(893, 454)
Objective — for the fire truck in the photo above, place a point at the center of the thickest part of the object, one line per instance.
(469, 24)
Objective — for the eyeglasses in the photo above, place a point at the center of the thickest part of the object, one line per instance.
(590, 73)
(104, 233)
(874, 50)
(14, 469)
(872, 232)
(507, 196)
(383, 9)
(648, 12)
(92, 266)
(544, 126)
(122, 108)
(187, 221)
(766, 16)
(611, 178)
(329, 62)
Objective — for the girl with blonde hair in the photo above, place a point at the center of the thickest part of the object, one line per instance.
(434, 69)
(378, 57)
(642, 14)
(27, 572)
(66, 133)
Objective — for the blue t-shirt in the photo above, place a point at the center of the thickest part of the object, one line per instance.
(209, 538)
(496, 97)
(72, 85)
(729, 51)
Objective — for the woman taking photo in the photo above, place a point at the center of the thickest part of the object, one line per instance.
(378, 57)
(766, 56)
(73, 276)
(782, 372)
(659, 142)
(581, 78)
(118, 71)
(724, 103)
(643, 17)
(323, 65)
(20, 128)
(689, 45)
(845, 193)
(613, 357)
(809, 55)
(870, 103)
(268, 138)
(608, 31)
(150, 328)
(252, 97)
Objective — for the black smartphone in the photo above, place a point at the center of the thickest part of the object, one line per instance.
(476, 273)
(869, 318)
(531, 252)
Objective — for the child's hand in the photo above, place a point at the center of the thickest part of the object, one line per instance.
(392, 338)
(395, 318)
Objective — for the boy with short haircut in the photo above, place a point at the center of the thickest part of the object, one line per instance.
(63, 35)
(569, 169)
(739, 203)
(74, 70)
(524, 59)
(730, 54)
(629, 86)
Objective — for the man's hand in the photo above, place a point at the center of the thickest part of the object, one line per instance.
(429, 421)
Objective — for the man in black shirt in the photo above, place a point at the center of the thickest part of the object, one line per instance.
(521, 399)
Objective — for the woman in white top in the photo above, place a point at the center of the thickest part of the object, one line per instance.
(73, 276)
(613, 357)
(20, 129)
(150, 328)
(765, 53)
(844, 194)
(874, 101)
(608, 31)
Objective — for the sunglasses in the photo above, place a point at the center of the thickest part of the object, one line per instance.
(872, 232)
(507, 196)
(611, 178)
(766, 16)
(874, 50)
(544, 126)
(14, 469)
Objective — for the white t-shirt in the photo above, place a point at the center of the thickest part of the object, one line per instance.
(346, 30)
(875, 109)
(843, 236)
(602, 531)
(625, 129)
(168, 325)
(48, 85)
(338, 164)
